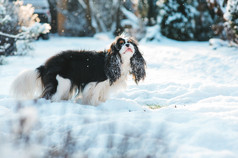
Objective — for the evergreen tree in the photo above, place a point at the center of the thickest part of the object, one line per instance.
(185, 20)
(178, 19)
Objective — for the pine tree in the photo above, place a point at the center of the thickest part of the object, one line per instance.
(185, 20)
(178, 19)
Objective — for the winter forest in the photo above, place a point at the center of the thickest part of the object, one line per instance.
(179, 20)
(186, 106)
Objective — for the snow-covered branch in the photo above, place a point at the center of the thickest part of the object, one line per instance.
(19, 22)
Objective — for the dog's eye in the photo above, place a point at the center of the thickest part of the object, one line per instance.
(130, 41)
(121, 42)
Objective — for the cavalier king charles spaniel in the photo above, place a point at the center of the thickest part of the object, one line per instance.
(89, 74)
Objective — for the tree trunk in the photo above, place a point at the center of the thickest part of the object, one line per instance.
(53, 12)
(89, 18)
(119, 28)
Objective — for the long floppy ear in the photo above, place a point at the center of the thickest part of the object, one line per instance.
(112, 64)
(138, 65)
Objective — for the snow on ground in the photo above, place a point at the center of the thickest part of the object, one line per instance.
(195, 85)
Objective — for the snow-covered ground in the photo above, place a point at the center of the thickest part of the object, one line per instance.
(187, 107)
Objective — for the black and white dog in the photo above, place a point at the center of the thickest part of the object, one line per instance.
(94, 75)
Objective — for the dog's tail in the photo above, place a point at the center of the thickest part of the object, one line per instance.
(28, 84)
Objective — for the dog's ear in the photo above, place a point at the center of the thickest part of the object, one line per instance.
(113, 64)
(138, 65)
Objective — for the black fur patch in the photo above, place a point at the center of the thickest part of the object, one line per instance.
(112, 64)
(138, 65)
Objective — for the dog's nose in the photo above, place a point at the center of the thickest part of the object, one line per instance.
(127, 44)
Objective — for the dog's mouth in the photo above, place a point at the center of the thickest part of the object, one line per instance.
(128, 50)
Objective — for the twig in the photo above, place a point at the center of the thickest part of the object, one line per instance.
(19, 36)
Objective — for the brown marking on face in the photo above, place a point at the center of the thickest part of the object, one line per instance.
(121, 41)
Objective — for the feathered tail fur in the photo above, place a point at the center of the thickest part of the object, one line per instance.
(27, 85)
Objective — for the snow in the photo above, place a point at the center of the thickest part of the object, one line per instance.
(195, 85)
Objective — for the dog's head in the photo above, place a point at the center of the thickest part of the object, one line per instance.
(123, 51)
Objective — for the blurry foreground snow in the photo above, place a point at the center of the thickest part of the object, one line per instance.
(195, 85)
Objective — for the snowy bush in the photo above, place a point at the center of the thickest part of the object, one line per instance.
(18, 22)
(178, 19)
(231, 16)
(217, 8)
(185, 20)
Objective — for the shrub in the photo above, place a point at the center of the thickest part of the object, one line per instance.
(18, 22)
(185, 20)
(231, 17)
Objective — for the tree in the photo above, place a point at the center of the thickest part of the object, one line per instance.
(186, 20)
(178, 19)
(148, 11)
(152, 13)
(54, 16)
(119, 28)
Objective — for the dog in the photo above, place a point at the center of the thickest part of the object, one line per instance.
(93, 75)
